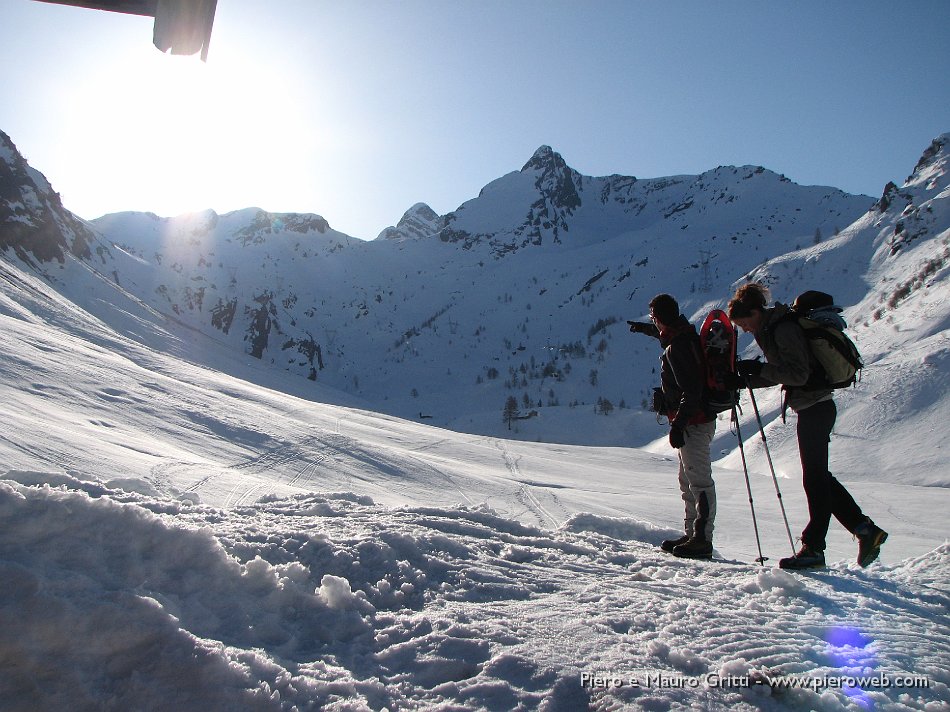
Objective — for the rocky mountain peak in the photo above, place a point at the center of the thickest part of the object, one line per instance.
(916, 207)
(934, 158)
(559, 186)
(419, 211)
(545, 159)
(33, 221)
(419, 221)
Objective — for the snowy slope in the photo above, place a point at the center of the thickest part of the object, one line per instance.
(188, 527)
(178, 538)
(332, 602)
(524, 290)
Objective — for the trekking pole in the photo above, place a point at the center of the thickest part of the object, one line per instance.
(768, 456)
(748, 486)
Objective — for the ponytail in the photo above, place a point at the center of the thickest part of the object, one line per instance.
(747, 299)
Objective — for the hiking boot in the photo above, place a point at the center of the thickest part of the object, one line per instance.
(671, 544)
(806, 558)
(694, 548)
(870, 537)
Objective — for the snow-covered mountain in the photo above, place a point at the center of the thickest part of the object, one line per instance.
(188, 527)
(521, 291)
(890, 269)
(36, 226)
(524, 290)
(419, 221)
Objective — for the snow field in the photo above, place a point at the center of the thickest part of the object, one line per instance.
(118, 600)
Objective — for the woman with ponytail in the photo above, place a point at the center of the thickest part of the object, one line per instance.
(789, 363)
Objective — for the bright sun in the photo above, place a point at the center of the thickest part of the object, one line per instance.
(172, 134)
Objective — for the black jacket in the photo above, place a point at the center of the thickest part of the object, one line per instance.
(683, 374)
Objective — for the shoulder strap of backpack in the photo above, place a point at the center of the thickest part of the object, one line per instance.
(816, 331)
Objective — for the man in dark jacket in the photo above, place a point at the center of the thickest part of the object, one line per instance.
(683, 383)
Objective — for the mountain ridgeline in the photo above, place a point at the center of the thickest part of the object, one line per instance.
(520, 292)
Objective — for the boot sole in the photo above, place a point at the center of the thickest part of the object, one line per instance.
(692, 556)
(801, 568)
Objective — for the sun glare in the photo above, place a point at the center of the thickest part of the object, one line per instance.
(172, 134)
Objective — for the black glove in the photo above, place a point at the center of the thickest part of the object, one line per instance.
(640, 327)
(677, 437)
(749, 367)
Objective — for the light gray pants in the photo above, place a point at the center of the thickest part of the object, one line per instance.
(696, 482)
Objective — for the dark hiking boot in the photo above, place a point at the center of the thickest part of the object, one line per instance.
(694, 548)
(671, 544)
(870, 537)
(806, 558)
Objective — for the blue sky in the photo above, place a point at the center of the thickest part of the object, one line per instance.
(357, 110)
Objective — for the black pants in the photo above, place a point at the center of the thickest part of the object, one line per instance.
(825, 495)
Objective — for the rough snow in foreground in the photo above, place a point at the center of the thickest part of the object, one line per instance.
(114, 600)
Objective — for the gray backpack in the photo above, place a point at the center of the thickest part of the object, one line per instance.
(820, 318)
